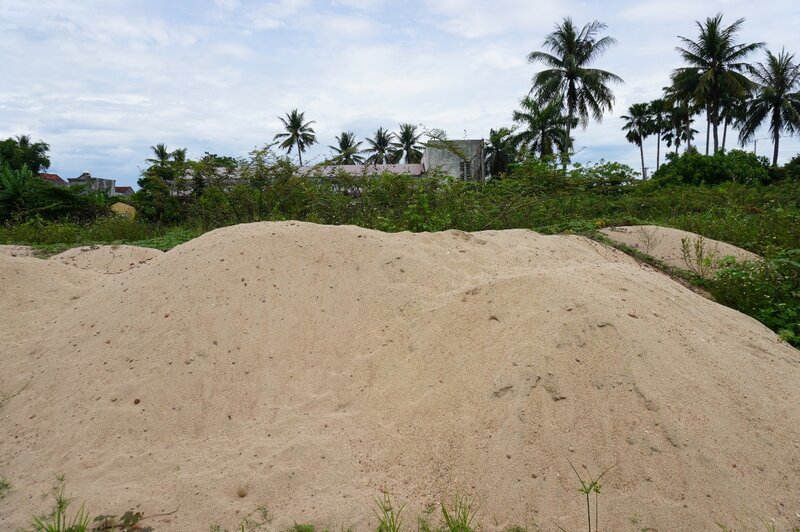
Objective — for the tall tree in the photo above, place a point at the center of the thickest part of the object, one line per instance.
(299, 133)
(20, 152)
(380, 150)
(161, 155)
(407, 145)
(719, 63)
(347, 149)
(637, 127)
(499, 151)
(776, 99)
(659, 119)
(680, 95)
(569, 80)
(543, 127)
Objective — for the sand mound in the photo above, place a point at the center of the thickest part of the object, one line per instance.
(107, 259)
(313, 366)
(665, 243)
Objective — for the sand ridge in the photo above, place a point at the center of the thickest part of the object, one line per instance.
(314, 366)
(665, 243)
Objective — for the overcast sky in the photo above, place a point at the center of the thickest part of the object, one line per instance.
(103, 80)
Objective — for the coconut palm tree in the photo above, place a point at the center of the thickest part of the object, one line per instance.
(569, 80)
(499, 151)
(407, 145)
(680, 97)
(347, 149)
(719, 63)
(776, 99)
(543, 127)
(659, 120)
(161, 155)
(380, 150)
(638, 126)
(299, 133)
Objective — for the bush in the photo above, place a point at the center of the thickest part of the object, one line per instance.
(768, 290)
(792, 168)
(693, 168)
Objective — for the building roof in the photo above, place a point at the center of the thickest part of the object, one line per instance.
(123, 190)
(363, 169)
(52, 178)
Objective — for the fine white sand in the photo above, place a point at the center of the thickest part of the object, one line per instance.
(310, 367)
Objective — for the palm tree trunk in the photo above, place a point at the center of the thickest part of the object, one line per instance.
(658, 151)
(776, 140)
(565, 155)
(715, 123)
(299, 153)
(724, 133)
(708, 129)
(641, 154)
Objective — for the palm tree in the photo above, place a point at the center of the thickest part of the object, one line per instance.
(776, 99)
(348, 150)
(407, 145)
(161, 155)
(380, 147)
(719, 62)
(582, 90)
(299, 133)
(544, 127)
(680, 96)
(658, 111)
(638, 127)
(499, 151)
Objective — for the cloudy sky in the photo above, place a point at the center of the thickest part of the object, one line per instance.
(103, 80)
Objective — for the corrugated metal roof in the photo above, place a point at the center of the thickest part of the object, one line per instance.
(363, 169)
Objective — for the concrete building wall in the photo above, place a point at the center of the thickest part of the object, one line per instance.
(458, 158)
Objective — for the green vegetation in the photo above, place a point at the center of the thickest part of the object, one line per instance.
(5, 487)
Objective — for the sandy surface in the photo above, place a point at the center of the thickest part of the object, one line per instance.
(107, 259)
(309, 367)
(16, 251)
(664, 243)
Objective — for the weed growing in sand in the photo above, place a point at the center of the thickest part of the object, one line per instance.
(648, 237)
(57, 520)
(5, 487)
(461, 516)
(699, 257)
(389, 519)
(592, 485)
(255, 521)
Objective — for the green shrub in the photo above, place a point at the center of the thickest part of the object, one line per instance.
(768, 290)
(792, 168)
(693, 168)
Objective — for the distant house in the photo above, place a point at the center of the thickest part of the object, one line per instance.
(458, 158)
(415, 170)
(124, 191)
(95, 184)
(53, 179)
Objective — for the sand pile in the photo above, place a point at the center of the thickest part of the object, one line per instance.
(308, 367)
(665, 244)
(107, 259)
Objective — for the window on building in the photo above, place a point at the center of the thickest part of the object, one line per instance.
(465, 169)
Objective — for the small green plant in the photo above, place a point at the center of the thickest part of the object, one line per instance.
(461, 516)
(297, 527)
(389, 519)
(699, 257)
(5, 487)
(128, 522)
(57, 520)
(255, 521)
(589, 486)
